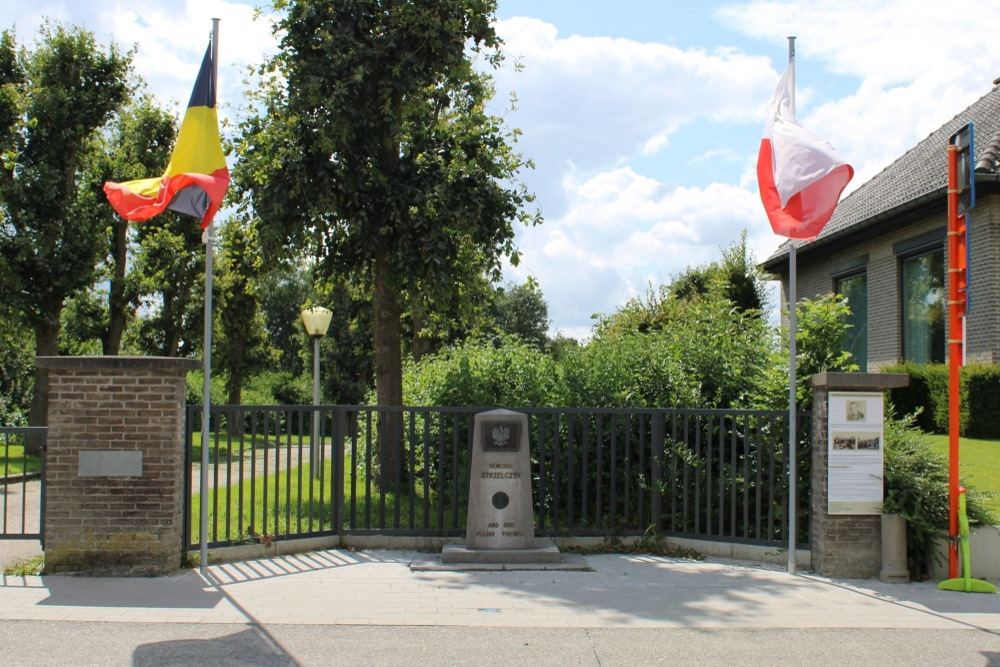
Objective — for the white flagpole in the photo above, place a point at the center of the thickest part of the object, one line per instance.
(792, 326)
(206, 399)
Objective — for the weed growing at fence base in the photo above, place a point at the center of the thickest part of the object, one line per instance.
(25, 568)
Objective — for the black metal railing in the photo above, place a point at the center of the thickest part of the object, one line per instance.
(711, 474)
(22, 475)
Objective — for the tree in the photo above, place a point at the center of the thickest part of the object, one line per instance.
(139, 144)
(285, 289)
(55, 99)
(16, 361)
(242, 349)
(170, 266)
(378, 152)
(736, 276)
(521, 310)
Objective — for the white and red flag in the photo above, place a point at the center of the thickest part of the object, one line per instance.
(800, 175)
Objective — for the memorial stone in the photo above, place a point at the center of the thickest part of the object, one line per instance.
(501, 526)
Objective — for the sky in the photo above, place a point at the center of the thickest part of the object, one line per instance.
(643, 117)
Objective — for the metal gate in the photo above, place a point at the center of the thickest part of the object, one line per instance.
(22, 476)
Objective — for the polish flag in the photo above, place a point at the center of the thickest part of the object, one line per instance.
(800, 175)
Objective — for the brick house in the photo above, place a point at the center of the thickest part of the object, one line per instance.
(885, 249)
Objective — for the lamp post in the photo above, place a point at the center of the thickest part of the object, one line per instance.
(316, 321)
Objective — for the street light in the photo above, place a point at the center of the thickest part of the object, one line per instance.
(316, 321)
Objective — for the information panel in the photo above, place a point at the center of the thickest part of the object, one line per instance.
(855, 452)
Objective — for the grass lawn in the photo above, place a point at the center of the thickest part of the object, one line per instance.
(979, 464)
(13, 461)
(238, 512)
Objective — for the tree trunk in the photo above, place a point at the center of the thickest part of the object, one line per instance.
(46, 345)
(117, 301)
(388, 368)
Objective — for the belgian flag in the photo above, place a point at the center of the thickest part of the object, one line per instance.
(196, 178)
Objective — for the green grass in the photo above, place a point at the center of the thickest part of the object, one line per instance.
(13, 461)
(297, 511)
(978, 465)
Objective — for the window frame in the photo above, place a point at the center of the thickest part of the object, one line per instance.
(908, 250)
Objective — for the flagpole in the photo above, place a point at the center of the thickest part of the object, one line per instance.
(206, 399)
(792, 326)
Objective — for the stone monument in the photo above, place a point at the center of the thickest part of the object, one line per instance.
(501, 524)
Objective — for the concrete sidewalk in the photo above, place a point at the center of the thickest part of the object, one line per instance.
(340, 587)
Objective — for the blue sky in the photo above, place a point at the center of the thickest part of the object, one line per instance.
(643, 117)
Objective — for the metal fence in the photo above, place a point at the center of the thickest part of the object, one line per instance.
(709, 474)
(22, 474)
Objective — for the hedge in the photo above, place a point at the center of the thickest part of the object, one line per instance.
(980, 398)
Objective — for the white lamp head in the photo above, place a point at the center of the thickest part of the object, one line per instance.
(316, 321)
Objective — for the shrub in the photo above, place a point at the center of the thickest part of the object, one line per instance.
(926, 396)
(481, 372)
(818, 340)
(916, 487)
(664, 352)
(982, 396)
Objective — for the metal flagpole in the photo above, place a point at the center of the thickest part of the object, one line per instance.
(206, 399)
(792, 326)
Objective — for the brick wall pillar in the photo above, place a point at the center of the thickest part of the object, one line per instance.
(115, 464)
(843, 545)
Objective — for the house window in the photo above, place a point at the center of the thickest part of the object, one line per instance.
(924, 307)
(855, 288)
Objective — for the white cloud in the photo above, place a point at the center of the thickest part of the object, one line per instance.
(594, 102)
(917, 64)
(170, 38)
(624, 231)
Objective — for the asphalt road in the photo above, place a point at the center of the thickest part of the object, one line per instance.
(79, 643)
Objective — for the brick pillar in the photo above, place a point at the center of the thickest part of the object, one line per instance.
(846, 546)
(114, 468)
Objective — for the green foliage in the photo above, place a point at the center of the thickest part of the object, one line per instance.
(736, 277)
(285, 290)
(17, 362)
(979, 465)
(916, 487)
(926, 396)
(25, 567)
(373, 150)
(521, 310)
(242, 348)
(170, 265)
(55, 99)
(479, 372)
(818, 340)
(83, 321)
(268, 388)
(982, 387)
(667, 352)
(348, 361)
(137, 145)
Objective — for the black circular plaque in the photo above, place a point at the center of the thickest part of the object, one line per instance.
(500, 500)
